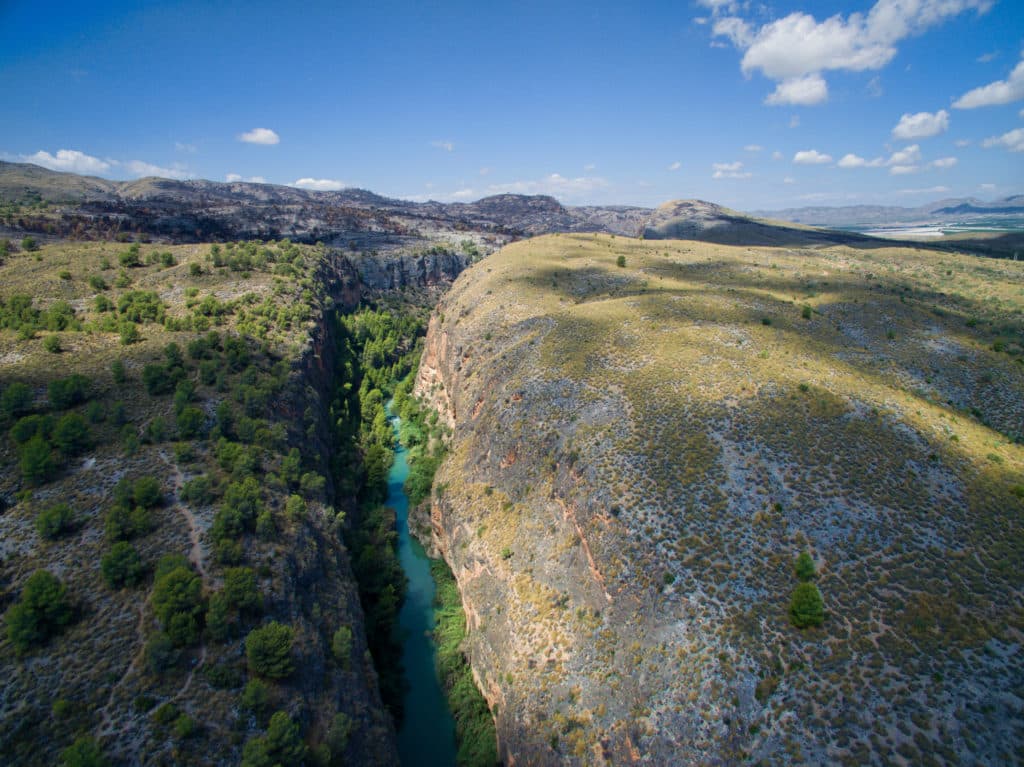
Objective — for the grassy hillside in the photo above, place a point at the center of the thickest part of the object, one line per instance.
(648, 434)
(163, 456)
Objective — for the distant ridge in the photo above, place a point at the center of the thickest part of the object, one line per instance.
(883, 215)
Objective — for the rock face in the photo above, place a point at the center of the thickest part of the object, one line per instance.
(640, 453)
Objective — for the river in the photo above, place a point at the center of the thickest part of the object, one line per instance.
(427, 735)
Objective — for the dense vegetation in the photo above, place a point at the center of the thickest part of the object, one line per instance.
(158, 469)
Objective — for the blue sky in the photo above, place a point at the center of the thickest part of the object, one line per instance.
(741, 103)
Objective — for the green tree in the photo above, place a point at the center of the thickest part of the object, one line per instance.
(191, 423)
(178, 603)
(117, 370)
(256, 698)
(806, 607)
(29, 244)
(804, 567)
(68, 392)
(240, 589)
(71, 434)
(146, 492)
(16, 399)
(54, 521)
(341, 646)
(84, 752)
(281, 746)
(36, 460)
(122, 566)
(269, 650)
(44, 610)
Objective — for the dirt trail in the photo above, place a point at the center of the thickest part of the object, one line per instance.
(196, 556)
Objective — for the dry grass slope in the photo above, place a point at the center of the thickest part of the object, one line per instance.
(641, 452)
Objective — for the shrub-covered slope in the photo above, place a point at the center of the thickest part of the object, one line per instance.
(648, 434)
(164, 458)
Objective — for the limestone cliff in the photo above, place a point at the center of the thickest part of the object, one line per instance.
(641, 450)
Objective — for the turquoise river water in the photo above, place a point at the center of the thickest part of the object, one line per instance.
(427, 736)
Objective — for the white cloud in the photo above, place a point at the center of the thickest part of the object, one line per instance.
(463, 194)
(987, 187)
(1000, 92)
(903, 170)
(140, 169)
(589, 166)
(675, 166)
(263, 136)
(319, 184)
(909, 155)
(753, 148)
(789, 180)
(555, 185)
(794, 121)
(802, 91)
(777, 155)
(233, 178)
(874, 88)
(484, 171)
(985, 58)
(69, 160)
(182, 147)
(1013, 140)
(796, 47)
(855, 161)
(921, 125)
(447, 146)
(928, 190)
(962, 142)
(944, 162)
(811, 157)
(729, 170)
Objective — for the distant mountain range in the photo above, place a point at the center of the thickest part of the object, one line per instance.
(49, 203)
(871, 216)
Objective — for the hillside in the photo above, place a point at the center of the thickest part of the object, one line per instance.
(642, 448)
(169, 456)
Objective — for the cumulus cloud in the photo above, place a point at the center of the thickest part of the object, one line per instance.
(921, 125)
(792, 49)
(232, 178)
(811, 157)
(140, 169)
(855, 161)
(753, 148)
(263, 136)
(675, 166)
(1000, 92)
(1013, 140)
(802, 91)
(962, 142)
(555, 185)
(447, 146)
(729, 170)
(69, 160)
(319, 184)
(909, 155)
(944, 162)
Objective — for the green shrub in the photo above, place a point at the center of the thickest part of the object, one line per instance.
(269, 650)
(124, 522)
(198, 491)
(240, 589)
(29, 426)
(159, 653)
(16, 399)
(191, 423)
(71, 435)
(256, 698)
(84, 752)
(620, 262)
(282, 745)
(806, 607)
(42, 611)
(35, 459)
(146, 492)
(341, 646)
(96, 282)
(68, 392)
(804, 567)
(52, 344)
(54, 521)
(177, 602)
(117, 370)
(122, 566)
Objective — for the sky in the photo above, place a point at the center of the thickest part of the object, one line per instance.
(750, 105)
